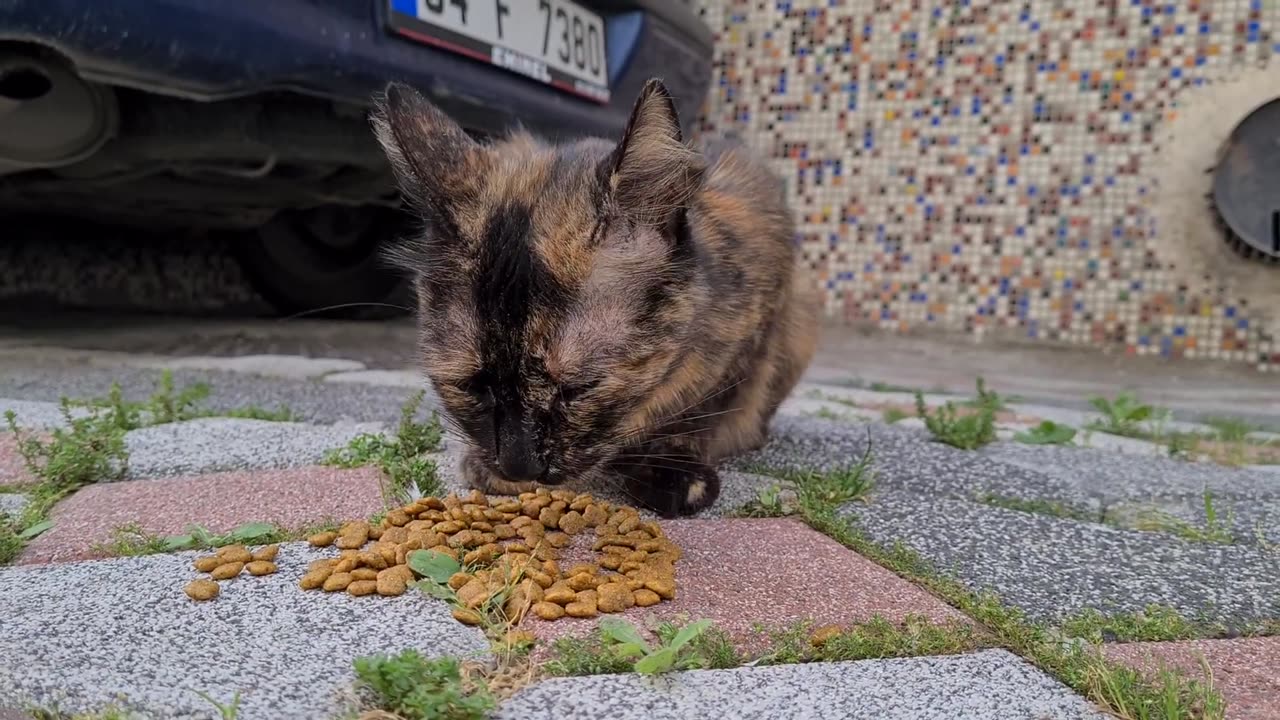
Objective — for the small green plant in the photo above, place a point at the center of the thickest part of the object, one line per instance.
(1184, 446)
(988, 399)
(227, 711)
(168, 404)
(1214, 530)
(876, 638)
(132, 539)
(1053, 508)
(617, 646)
(891, 415)
(1124, 415)
(1047, 433)
(967, 432)
(1228, 429)
(399, 457)
(711, 649)
(1155, 623)
(416, 688)
(770, 501)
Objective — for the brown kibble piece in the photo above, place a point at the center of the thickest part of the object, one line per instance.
(362, 587)
(475, 592)
(548, 610)
(558, 539)
(646, 598)
(314, 579)
(226, 571)
(820, 636)
(372, 560)
(630, 523)
(560, 593)
(665, 587)
(467, 617)
(397, 518)
(583, 581)
(202, 589)
(580, 610)
(261, 567)
(549, 518)
(234, 554)
(337, 582)
(364, 573)
(323, 539)
(207, 563)
(391, 583)
(572, 522)
(267, 553)
(459, 579)
(614, 597)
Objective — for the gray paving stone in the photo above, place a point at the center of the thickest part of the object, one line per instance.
(312, 400)
(295, 367)
(213, 444)
(391, 378)
(36, 414)
(12, 504)
(78, 635)
(985, 685)
(1053, 567)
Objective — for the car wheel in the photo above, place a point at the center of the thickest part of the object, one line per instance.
(328, 262)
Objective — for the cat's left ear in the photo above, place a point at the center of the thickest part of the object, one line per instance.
(431, 155)
(652, 173)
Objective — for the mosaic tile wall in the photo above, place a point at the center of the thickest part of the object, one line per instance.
(996, 167)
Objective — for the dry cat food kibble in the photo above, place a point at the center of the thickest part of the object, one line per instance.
(228, 562)
(507, 547)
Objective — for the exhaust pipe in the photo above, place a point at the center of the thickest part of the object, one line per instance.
(49, 116)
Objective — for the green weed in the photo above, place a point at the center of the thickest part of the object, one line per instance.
(1124, 415)
(967, 432)
(1155, 623)
(400, 457)
(416, 688)
(132, 540)
(1047, 433)
(227, 711)
(1039, 507)
(1214, 529)
(891, 415)
(617, 646)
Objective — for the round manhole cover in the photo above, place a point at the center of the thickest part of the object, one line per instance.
(1246, 185)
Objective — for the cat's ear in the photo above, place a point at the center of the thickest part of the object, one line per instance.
(427, 150)
(651, 173)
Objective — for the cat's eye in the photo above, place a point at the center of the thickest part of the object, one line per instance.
(573, 391)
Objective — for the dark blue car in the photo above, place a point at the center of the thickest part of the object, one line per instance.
(249, 118)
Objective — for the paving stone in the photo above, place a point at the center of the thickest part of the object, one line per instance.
(1053, 567)
(213, 444)
(393, 378)
(36, 414)
(1244, 669)
(775, 572)
(1247, 500)
(219, 502)
(990, 684)
(12, 504)
(277, 366)
(311, 399)
(80, 634)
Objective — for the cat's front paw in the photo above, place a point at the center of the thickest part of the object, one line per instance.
(476, 472)
(673, 493)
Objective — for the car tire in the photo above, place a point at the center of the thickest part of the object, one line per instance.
(328, 262)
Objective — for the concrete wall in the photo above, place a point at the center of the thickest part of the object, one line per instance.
(1011, 169)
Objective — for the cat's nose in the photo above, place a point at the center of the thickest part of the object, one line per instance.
(521, 466)
(517, 458)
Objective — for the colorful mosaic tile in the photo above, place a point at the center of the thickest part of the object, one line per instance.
(993, 166)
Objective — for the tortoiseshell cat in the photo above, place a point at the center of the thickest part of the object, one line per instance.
(597, 307)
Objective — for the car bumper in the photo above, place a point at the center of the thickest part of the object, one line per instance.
(339, 49)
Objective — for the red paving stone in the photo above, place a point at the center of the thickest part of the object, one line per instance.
(13, 470)
(739, 572)
(218, 501)
(1246, 670)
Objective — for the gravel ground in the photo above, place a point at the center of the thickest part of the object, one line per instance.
(12, 504)
(79, 635)
(985, 685)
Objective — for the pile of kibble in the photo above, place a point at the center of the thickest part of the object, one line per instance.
(508, 548)
(228, 562)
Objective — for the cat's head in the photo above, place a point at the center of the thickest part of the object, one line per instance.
(555, 283)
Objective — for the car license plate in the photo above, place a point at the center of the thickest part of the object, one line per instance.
(557, 42)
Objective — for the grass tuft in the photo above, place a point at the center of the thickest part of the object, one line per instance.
(416, 688)
(400, 457)
(965, 431)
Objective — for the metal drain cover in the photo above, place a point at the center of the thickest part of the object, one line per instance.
(1246, 184)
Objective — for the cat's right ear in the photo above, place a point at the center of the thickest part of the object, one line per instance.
(427, 150)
